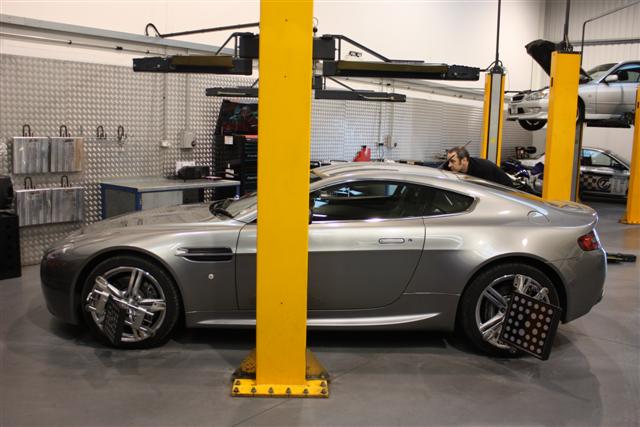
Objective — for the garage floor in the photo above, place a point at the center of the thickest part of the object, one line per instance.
(54, 374)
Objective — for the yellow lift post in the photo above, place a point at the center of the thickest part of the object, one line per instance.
(281, 366)
(564, 133)
(632, 215)
(493, 115)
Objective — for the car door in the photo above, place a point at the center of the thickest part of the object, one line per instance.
(619, 97)
(365, 241)
(601, 173)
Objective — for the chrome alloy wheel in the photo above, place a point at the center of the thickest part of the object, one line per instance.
(135, 291)
(494, 300)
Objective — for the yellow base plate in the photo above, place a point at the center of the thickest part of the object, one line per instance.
(244, 381)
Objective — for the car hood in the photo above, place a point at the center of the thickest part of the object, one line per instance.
(541, 50)
(181, 214)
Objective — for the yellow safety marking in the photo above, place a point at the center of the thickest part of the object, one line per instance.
(561, 126)
(500, 122)
(632, 215)
(485, 116)
(488, 121)
(284, 108)
(251, 388)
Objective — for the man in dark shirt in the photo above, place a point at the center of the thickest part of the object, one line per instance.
(458, 160)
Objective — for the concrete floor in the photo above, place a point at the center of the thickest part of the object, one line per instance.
(55, 374)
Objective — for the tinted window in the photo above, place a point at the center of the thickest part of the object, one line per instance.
(443, 202)
(368, 200)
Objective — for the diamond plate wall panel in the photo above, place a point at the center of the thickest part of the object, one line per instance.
(48, 93)
(418, 129)
(327, 129)
(361, 127)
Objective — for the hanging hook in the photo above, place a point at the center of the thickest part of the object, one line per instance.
(63, 131)
(100, 133)
(26, 130)
(120, 134)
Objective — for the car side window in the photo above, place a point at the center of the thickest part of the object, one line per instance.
(362, 200)
(443, 202)
(599, 159)
(629, 73)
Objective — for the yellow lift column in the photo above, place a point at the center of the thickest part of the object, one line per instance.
(492, 119)
(632, 215)
(281, 365)
(564, 133)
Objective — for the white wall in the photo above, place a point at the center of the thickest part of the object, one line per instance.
(623, 24)
(451, 31)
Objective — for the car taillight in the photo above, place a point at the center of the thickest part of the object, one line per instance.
(589, 242)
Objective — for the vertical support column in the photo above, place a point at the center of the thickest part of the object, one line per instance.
(281, 360)
(632, 215)
(493, 116)
(560, 170)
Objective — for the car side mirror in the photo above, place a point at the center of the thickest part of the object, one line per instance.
(611, 78)
(619, 167)
(310, 216)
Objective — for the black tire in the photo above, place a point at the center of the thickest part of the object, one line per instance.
(156, 283)
(474, 303)
(532, 124)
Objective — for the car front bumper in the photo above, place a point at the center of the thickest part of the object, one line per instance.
(528, 110)
(57, 279)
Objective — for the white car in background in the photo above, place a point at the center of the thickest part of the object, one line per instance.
(606, 95)
(602, 173)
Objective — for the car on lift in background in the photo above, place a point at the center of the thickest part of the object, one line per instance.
(602, 173)
(606, 93)
(606, 96)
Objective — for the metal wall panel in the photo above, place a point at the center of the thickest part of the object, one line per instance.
(623, 24)
(47, 93)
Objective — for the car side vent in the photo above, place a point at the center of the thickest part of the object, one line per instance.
(206, 254)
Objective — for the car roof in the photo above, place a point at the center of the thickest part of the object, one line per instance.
(358, 167)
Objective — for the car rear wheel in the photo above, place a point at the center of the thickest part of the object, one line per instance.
(532, 124)
(145, 292)
(485, 301)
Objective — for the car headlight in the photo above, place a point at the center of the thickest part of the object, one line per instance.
(534, 96)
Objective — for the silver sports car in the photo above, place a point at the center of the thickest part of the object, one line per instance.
(391, 246)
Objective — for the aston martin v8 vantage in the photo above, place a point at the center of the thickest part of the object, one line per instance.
(391, 246)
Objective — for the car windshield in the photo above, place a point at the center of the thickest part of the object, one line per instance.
(232, 207)
(596, 72)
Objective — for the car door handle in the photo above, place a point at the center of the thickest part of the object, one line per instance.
(391, 241)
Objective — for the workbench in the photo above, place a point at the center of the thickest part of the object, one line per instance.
(119, 196)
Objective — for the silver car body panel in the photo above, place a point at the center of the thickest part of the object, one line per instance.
(400, 273)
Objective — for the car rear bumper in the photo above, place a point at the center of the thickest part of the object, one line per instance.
(584, 282)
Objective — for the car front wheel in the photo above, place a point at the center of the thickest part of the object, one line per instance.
(484, 303)
(532, 124)
(143, 290)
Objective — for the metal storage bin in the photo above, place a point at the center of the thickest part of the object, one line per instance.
(30, 154)
(33, 206)
(66, 154)
(67, 204)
